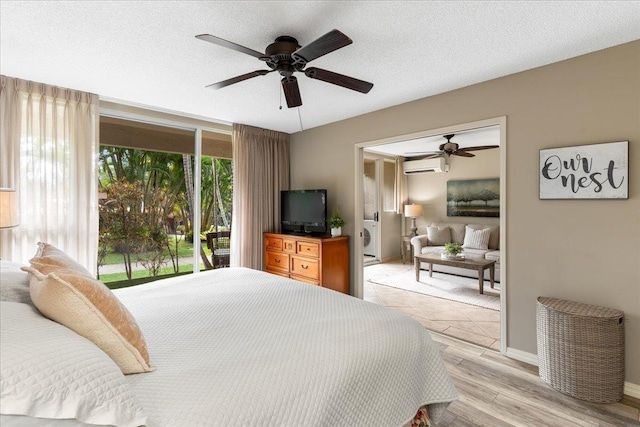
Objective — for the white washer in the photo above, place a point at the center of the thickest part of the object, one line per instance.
(369, 237)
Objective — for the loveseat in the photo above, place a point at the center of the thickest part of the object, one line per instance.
(478, 240)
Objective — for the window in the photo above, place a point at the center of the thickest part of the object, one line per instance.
(146, 218)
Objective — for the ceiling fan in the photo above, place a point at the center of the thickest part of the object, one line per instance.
(451, 149)
(286, 57)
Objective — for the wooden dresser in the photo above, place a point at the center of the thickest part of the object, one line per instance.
(322, 261)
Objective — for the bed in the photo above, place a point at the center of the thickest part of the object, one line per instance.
(240, 347)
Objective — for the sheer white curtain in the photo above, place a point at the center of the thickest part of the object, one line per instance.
(49, 139)
(260, 171)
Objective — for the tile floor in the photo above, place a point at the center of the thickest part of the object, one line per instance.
(477, 325)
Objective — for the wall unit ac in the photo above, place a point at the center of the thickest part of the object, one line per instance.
(425, 166)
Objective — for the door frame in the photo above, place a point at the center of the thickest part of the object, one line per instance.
(359, 205)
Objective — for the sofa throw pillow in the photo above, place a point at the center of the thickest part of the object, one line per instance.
(457, 230)
(476, 239)
(438, 236)
(89, 308)
(49, 371)
(494, 237)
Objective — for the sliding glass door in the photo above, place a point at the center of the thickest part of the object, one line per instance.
(216, 195)
(146, 200)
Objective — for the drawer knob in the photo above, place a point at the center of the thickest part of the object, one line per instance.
(277, 261)
(304, 266)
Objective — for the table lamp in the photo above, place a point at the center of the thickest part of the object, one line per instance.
(413, 211)
(8, 208)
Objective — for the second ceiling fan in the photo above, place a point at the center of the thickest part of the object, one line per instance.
(451, 149)
(287, 57)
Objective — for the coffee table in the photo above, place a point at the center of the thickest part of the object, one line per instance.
(480, 265)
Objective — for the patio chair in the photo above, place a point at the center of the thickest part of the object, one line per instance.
(219, 244)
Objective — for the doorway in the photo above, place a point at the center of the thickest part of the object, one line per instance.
(370, 146)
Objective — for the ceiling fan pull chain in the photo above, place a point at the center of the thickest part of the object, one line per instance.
(300, 118)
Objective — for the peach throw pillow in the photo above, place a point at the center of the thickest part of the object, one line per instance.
(50, 258)
(89, 308)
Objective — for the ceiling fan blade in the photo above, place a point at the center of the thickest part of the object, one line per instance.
(462, 154)
(237, 79)
(481, 147)
(339, 79)
(331, 41)
(229, 45)
(291, 92)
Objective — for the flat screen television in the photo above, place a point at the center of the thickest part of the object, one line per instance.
(303, 211)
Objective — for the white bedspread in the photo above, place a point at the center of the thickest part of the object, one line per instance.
(239, 347)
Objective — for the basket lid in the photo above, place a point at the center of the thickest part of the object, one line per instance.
(580, 309)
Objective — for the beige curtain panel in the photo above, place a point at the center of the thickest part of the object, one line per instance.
(48, 154)
(402, 192)
(260, 171)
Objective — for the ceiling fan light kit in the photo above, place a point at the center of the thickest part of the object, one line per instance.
(287, 57)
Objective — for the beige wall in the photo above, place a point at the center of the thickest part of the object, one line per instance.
(581, 250)
(430, 189)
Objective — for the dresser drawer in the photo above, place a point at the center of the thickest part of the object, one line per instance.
(308, 249)
(277, 261)
(289, 246)
(305, 267)
(273, 243)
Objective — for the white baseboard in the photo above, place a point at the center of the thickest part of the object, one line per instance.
(523, 356)
(630, 389)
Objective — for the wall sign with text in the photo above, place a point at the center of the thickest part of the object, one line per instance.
(596, 171)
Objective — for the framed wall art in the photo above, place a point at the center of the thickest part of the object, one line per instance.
(595, 171)
(474, 197)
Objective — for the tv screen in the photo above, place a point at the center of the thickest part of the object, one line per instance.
(304, 211)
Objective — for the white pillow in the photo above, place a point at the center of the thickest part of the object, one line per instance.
(438, 236)
(14, 283)
(476, 239)
(49, 371)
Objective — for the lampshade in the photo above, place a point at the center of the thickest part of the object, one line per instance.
(8, 208)
(413, 211)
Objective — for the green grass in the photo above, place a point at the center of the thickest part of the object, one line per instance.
(119, 280)
(185, 249)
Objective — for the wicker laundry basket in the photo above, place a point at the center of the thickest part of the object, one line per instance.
(581, 349)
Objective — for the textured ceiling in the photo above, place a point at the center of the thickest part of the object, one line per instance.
(145, 52)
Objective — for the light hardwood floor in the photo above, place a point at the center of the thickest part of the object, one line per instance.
(496, 391)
